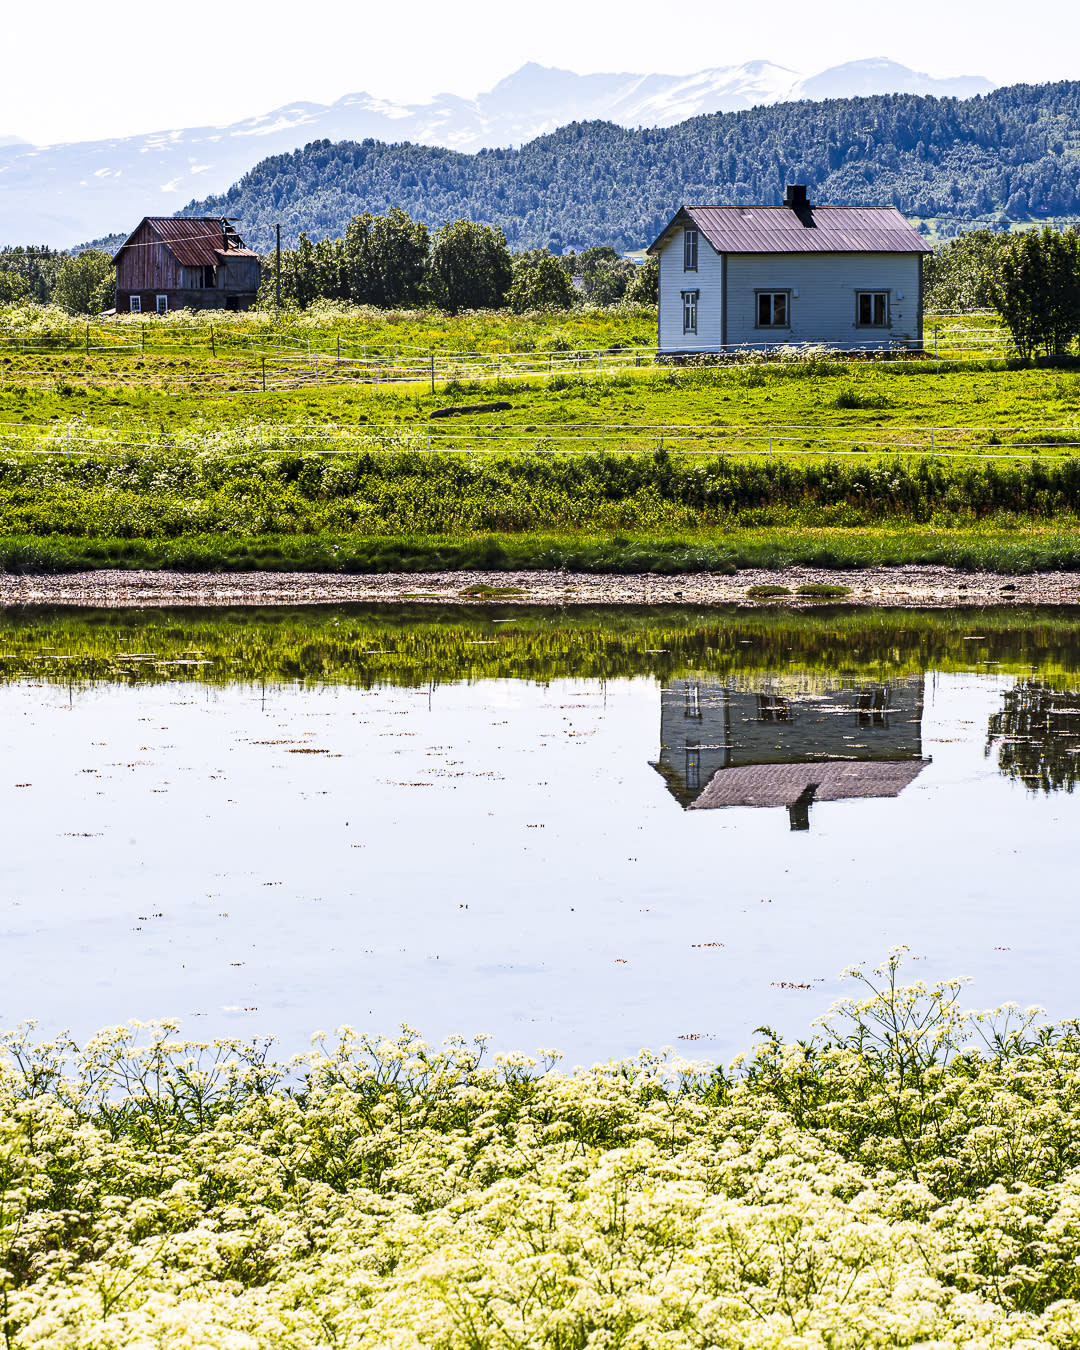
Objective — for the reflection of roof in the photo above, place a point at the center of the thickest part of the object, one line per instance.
(783, 784)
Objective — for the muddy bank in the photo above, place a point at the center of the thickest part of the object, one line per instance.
(911, 586)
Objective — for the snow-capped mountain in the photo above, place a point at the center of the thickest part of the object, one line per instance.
(61, 194)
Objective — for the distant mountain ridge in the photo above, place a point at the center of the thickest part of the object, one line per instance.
(1011, 155)
(63, 194)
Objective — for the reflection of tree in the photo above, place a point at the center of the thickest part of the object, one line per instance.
(1037, 734)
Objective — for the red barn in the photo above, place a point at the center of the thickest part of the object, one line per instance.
(184, 262)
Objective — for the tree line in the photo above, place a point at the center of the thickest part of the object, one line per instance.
(394, 262)
(1006, 156)
(81, 283)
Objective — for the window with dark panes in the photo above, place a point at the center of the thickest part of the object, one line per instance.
(873, 309)
(772, 309)
(689, 311)
(689, 250)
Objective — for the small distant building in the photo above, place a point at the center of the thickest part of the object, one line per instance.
(768, 276)
(184, 262)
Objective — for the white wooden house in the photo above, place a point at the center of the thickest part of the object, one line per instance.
(769, 276)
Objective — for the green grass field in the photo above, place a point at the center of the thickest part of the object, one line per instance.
(177, 457)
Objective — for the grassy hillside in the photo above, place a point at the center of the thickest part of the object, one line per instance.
(1011, 154)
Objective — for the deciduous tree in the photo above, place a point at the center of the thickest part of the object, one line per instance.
(1036, 290)
(539, 282)
(470, 267)
(86, 284)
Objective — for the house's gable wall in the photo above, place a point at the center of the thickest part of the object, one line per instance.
(825, 308)
(707, 280)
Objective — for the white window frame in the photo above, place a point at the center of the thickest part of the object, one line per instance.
(135, 304)
(773, 322)
(886, 299)
(690, 249)
(161, 304)
(689, 311)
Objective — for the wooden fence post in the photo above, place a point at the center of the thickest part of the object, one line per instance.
(264, 374)
(213, 348)
(88, 339)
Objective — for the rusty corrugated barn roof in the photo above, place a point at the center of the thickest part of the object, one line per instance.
(813, 229)
(195, 241)
(783, 784)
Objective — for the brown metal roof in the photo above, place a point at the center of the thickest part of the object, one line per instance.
(194, 241)
(783, 784)
(812, 229)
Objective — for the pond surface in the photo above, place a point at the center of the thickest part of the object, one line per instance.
(592, 831)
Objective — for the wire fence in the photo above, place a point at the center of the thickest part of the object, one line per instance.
(986, 443)
(303, 372)
(289, 360)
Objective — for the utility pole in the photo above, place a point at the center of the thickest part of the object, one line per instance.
(277, 284)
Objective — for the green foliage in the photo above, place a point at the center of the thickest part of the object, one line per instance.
(605, 274)
(388, 262)
(1036, 289)
(86, 283)
(959, 275)
(14, 287)
(539, 282)
(470, 267)
(644, 287)
(386, 509)
(33, 271)
(1009, 155)
(384, 259)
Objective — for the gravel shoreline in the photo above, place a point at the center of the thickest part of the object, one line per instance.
(911, 587)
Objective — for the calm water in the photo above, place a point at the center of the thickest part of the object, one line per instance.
(596, 832)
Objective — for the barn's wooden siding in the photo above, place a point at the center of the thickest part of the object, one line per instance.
(824, 310)
(707, 280)
(241, 274)
(215, 274)
(148, 266)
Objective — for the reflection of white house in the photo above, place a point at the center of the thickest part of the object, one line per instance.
(734, 276)
(779, 743)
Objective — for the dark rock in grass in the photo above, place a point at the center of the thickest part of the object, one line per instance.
(460, 408)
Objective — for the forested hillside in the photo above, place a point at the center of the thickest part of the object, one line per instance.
(1014, 153)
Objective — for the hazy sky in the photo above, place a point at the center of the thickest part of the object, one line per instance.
(73, 75)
